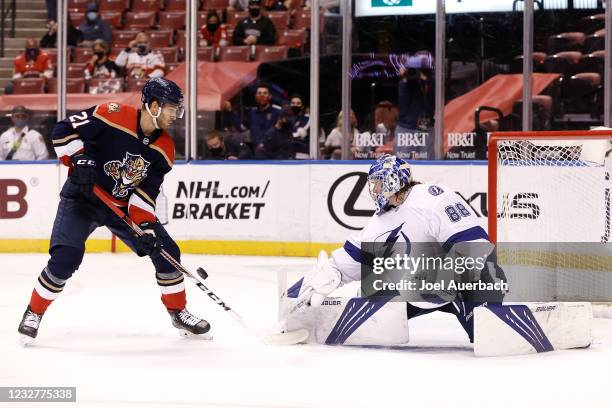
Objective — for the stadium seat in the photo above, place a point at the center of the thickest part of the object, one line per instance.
(73, 85)
(139, 20)
(77, 17)
(302, 20)
(173, 20)
(214, 4)
(264, 53)
(29, 86)
(595, 42)
(564, 63)
(239, 53)
(161, 38)
(176, 5)
(114, 18)
(590, 24)
(134, 84)
(580, 93)
(170, 53)
(206, 54)
(280, 19)
(542, 112)
(122, 38)
(82, 54)
(516, 65)
(172, 66)
(113, 5)
(116, 50)
(80, 5)
(52, 53)
(291, 38)
(572, 41)
(233, 17)
(75, 70)
(593, 62)
(147, 5)
(115, 83)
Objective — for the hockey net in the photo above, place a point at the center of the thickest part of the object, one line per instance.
(551, 194)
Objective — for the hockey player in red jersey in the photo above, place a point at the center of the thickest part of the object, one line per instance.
(127, 152)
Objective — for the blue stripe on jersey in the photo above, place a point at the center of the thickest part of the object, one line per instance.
(294, 290)
(353, 251)
(469, 234)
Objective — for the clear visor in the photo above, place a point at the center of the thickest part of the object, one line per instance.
(178, 110)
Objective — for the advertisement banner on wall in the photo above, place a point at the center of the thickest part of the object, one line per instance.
(341, 206)
(237, 202)
(28, 200)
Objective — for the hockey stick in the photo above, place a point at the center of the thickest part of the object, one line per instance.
(272, 339)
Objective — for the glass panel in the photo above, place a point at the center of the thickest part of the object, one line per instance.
(484, 75)
(569, 41)
(142, 46)
(393, 84)
(249, 67)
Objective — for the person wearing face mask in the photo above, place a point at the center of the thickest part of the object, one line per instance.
(278, 141)
(255, 29)
(220, 147)
(93, 27)
(100, 65)
(140, 61)
(214, 34)
(300, 129)
(20, 142)
(258, 119)
(31, 63)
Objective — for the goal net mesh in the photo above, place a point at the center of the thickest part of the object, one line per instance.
(553, 217)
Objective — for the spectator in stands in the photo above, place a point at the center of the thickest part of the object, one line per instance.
(240, 5)
(220, 147)
(49, 40)
(259, 119)
(278, 140)
(214, 34)
(300, 127)
(416, 102)
(20, 142)
(140, 61)
(100, 65)
(32, 63)
(333, 144)
(385, 119)
(275, 5)
(255, 29)
(93, 27)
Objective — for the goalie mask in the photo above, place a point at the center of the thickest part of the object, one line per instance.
(387, 176)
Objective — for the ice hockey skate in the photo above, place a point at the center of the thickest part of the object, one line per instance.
(28, 328)
(189, 325)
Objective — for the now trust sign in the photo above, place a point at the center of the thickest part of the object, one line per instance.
(391, 3)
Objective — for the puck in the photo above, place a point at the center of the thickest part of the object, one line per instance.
(202, 273)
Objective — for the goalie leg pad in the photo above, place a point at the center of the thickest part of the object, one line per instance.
(501, 330)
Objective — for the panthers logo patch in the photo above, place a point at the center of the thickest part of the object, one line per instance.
(113, 107)
(128, 174)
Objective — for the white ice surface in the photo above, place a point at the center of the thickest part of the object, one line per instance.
(109, 335)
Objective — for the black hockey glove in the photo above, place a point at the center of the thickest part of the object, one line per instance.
(148, 244)
(83, 174)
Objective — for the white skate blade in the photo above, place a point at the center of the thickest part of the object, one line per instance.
(26, 341)
(188, 335)
(287, 339)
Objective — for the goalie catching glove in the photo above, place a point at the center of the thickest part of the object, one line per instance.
(327, 278)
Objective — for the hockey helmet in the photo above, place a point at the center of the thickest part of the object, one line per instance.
(163, 91)
(387, 176)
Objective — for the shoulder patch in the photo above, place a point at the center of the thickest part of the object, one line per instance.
(126, 121)
(435, 190)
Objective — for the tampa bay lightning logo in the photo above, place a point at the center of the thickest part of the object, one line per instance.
(390, 246)
(435, 190)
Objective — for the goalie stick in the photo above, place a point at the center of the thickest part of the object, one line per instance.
(288, 338)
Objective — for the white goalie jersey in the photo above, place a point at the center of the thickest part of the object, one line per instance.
(431, 213)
